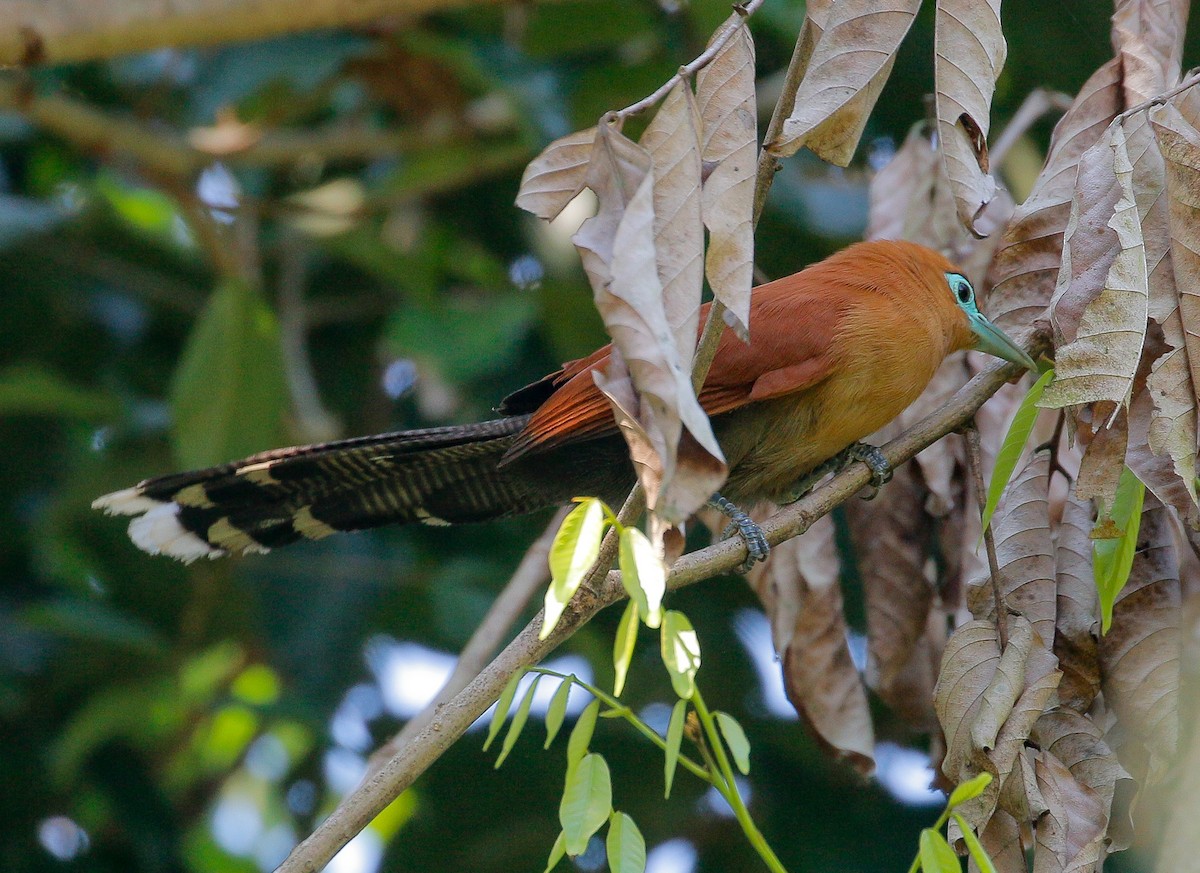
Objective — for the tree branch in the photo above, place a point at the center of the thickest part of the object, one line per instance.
(37, 32)
(453, 719)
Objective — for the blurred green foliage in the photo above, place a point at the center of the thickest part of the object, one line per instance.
(156, 717)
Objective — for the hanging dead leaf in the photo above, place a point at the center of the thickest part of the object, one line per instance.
(673, 141)
(1105, 455)
(1139, 656)
(1076, 621)
(1100, 356)
(1079, 743)
(555, 176)
(1070, 835)
(1157, 472)
(725, 98)
(848, 69)
(1026, 267)
(618, 253)
(819, 675)
(1024, 552)
(969, 52)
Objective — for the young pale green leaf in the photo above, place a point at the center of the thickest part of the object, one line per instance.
(623, 645)
(735, 738)
(1112, 558)
(625, 845)
(581, 734)
(518, 722)
(936, 855)
(978, 853)
(643, 574)
(575, 549)
(1014, 443)
(557, 710)
(500, 713)
(680, 652)
(586, 802)
(557, 852)
(969, 789)
(674, 741)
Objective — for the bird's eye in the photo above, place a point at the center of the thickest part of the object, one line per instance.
(961, 287)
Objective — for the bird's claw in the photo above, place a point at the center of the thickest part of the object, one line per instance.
(881, 470)
(757, 547)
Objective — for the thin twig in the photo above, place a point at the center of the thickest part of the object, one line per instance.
(1037, 103)
(1192, 79)
(530, 576)
(688, 70)
(975, 463)
(453, 719)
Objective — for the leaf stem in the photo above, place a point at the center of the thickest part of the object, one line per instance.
(730, 790)
(626, 713)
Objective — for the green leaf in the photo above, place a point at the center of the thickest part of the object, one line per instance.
(735, 738)
(581, 734)
(1112, 558)
(557, 852)
(625, 845)
(978, 853)
(936, 855)
(643, 574)
(29, 389)
(674, 741)
(557, 710)
(623, 645)
(586, 802)
(228, 393)
(575, 549)
(680, 652)
(1014, 443)
(500, 713)
(969, 789)
(518, 722)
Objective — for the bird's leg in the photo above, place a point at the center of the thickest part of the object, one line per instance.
(757, 547)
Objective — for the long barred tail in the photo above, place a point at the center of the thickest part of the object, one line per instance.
(440, 475)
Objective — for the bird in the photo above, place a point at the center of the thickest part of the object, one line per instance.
(838, 350)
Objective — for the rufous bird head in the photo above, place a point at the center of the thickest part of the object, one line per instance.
(922, 277)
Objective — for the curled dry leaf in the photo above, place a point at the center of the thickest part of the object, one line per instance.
(1076, 621)
(1104, 345)
(1001, 839)
(1157, 472)
(1026, 266)
(975, 685)
(1079, 743)
(1139, 656)
(1070, 834)
(801, 589)
(673, 141)
(725, 97)
(1105, 455)
(618, 252)
(555, 176)
(847, 71)
(1024, 552)
(968, 56)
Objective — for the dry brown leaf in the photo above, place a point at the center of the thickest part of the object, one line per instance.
(819, 674)
(618, 252)
(1103, 347)
(909, 197)
(1026, 266)
(968, 664)
(725, 98)
(1079, 743)
(555, 176)
(1077, 617)
(969, 52)
(847, 71)
(1024, 552)
(1139, 656)
(1104, 457)
(1070, 835)
(1154, 30)
(891, 535)
(1001, 838)
(673, 141)
(1157, 472)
